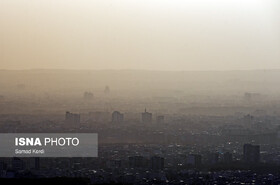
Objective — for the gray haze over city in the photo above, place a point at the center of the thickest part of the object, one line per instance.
(179, 92)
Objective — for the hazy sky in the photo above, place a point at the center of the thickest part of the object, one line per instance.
(142, 34)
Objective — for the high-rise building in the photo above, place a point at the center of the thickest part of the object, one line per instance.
(72, 119)
(157, 163)
(117, 117)
(88, 95)
(3, 166)
(107, 90)
(194, 159)
(137, 162)
(248, 119)
(227, 157)
(147, 117)
(212, 158)
(17, 164)
(251, 153)
(37, 163)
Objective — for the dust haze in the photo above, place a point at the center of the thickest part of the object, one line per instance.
(178, 92)
(132, 90)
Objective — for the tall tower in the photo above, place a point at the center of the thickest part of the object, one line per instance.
(117, 117)
(147, 117)
(72, 120)
(251, 153)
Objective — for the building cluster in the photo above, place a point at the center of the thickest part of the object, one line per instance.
(154, 163)
(72, 119)
(178, 150)
(143, 168)
(88, 96)
(117, 117)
